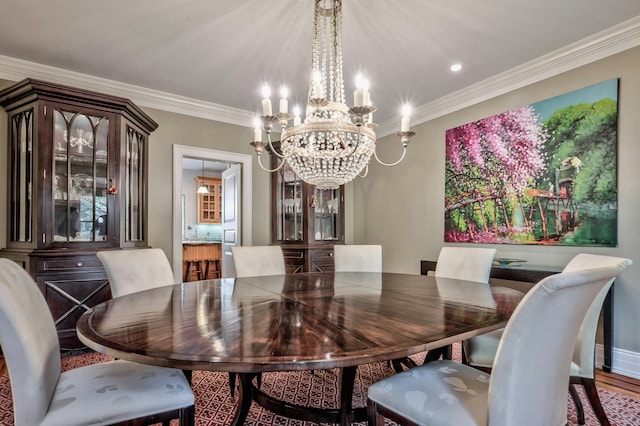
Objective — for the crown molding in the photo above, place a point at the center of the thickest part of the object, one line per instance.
(616, 39)
(17, 69)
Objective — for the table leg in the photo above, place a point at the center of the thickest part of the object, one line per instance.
(245, 397)
(435, 354)
(347, 380)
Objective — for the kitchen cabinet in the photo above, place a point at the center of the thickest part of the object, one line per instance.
(306, 221)
(76, 184)
(210, 204)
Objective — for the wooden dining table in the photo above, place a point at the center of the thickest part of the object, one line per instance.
(309, 321)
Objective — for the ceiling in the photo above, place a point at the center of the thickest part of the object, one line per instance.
(221, 52)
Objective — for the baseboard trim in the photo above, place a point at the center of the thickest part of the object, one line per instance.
(624, 362)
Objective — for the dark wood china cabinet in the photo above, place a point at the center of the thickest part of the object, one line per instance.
(306, 221)
(76, 184)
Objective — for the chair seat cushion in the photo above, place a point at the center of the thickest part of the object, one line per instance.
(116, 391)
(437, 393)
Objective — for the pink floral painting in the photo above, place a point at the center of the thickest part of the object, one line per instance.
(544, 173)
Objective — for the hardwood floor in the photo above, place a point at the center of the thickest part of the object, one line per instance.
(617, 383)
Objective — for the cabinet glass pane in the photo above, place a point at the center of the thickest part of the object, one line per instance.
(289, 205)
(134, 213)
(21, 166)
(80, 177)
(326, 213)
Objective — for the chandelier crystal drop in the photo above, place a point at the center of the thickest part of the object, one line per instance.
(335, 143)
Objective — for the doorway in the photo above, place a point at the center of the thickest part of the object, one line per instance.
(244, 199)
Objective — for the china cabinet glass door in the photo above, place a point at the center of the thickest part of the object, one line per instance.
(80, 181)
(289, 206)
(326, 214)
(134, 186)
(21, 176)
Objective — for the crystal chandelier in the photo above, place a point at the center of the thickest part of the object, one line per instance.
(335, 142)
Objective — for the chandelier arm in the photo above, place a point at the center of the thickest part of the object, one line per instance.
(273, 150)
(282, 162)
(404, 152)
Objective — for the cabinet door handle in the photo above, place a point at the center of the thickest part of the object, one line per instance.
(80, 264)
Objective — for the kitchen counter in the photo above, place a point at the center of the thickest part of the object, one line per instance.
(199, 250)
(200, 242)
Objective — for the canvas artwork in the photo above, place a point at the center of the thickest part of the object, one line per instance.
(544, 173)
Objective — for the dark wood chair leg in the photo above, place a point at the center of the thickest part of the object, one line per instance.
(464, 357)
(188, 374)
(187, 416)
(578, 403)
(373, 417)
(594, 399)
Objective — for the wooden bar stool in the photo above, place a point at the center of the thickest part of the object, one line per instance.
(194, 268)
(212, 269)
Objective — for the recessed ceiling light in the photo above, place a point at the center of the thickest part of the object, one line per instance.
(456, 67)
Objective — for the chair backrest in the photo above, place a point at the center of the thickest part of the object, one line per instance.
(29, 342)
(134, 270)
(584, 353)
(357, 258)
(256, 261)
(465, 263)
(533, 358)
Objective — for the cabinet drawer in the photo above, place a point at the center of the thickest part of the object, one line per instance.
(322, 256)
(292, 255)
(76, 263)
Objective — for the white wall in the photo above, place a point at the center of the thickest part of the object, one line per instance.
(402, 207)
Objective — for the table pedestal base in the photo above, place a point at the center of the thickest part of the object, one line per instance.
(344, 415)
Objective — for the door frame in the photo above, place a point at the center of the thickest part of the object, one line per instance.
(179, 153)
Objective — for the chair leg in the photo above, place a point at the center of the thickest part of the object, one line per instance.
(464, 358)
(188, 374)
(592, 393)
(187, 416)
(373, 417)
(577, 402)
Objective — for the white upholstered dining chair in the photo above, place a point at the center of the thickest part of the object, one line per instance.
(357, 258)
(97, 394)
(134, 270)
(528, 383)
(462, 263)
(258, 261)
(130, 271)
(480, 351)
(465, 263)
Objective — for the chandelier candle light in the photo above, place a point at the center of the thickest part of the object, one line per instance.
(334, 143)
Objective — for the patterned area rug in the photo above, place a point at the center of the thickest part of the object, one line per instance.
(215, 405)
